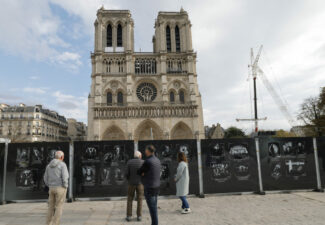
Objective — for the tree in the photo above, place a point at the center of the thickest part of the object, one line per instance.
(283, 133)
(312, 114)
(234, 132)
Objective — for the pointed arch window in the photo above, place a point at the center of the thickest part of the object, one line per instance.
(181, 97)
(119, 36)
(109, 98)
(177, 39)
(109, 36)
(172, 97)
(168, 40)
(120, 98)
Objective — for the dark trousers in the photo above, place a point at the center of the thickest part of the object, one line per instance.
(151, 199)
(185, 204)
(131, 190)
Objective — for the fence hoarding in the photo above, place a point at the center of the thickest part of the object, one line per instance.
(229, 165)
(26, 166)
(166, 151)
(321, 158)
(99, 168)
(2, 155)
(287, 163)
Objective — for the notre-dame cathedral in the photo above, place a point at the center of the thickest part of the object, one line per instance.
(144, 95)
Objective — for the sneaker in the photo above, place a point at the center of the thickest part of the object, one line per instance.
(139, 218)
(186, 211)
(128, 218)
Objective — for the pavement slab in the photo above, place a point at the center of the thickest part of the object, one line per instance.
(300, 208)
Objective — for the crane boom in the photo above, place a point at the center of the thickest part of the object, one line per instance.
(278, 100)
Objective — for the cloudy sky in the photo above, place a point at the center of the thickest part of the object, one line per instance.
(45, 50)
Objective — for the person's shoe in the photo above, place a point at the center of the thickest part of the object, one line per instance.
(139, 218)
(128, 218)
(186, 211)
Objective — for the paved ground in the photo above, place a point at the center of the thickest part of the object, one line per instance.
(303, 208)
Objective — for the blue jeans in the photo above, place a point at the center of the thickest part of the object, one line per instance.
(152, 205)
(185, 204)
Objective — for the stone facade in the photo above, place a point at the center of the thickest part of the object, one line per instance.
(143, 95)
(77, 131)
(215, 132)
(31, 123)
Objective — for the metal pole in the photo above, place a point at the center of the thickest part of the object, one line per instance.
(199, 159)
(5, 173)
(71, 162)
(260, 181)
(136, 147)
(255, 105)
(319, 184)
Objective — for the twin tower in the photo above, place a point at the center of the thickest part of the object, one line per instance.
(144, 95)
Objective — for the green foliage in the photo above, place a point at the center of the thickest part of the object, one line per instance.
(283, 133)
(234, 132)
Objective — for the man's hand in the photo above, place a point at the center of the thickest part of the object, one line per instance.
(142, 174)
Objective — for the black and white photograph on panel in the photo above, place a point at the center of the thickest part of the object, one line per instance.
(287, 163)
(229, 165)
(26, 167)
(166, 151)
(100, 168)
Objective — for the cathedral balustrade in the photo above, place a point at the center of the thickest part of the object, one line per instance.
(176, 66)
(109, 112)
(145, 65)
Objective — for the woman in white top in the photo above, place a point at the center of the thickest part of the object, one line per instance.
(182, 180)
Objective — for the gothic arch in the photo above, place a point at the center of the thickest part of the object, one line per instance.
(181, 83)
(147, 80)
(119, 86)
(143, 131)
(181, 131)
(182, 95)
(113, 133)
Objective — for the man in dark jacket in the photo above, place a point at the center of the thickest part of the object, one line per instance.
(135, 185)
(150, 172)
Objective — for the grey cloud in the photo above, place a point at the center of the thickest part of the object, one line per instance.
(67, 105)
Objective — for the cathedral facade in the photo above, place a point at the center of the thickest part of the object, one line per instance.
(144, 95)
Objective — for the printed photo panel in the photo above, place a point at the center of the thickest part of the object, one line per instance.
(100, 168)
(26, 166)
(287, 163)
(229, 165)
(166, 151)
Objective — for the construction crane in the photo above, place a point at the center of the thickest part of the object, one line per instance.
(256, 70)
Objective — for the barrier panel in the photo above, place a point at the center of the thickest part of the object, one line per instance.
(99, 168)
(167, 151)
(26, 166)
(288, 163)
(2, 155)
(321, 158)
(229, 165)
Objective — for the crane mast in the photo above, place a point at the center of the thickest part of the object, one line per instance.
(254, 69)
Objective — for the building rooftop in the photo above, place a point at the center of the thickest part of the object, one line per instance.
(22, 108)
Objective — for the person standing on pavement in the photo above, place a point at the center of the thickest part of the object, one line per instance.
(56, 177)
(182, 180)
(150, 172)
(135, 185)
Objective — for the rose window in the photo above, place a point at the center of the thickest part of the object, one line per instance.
(146, 92)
